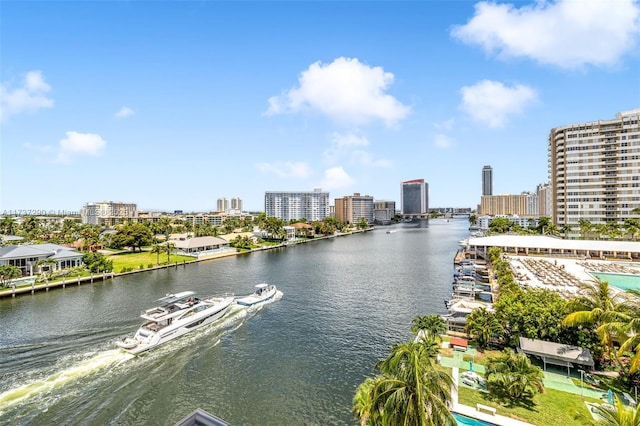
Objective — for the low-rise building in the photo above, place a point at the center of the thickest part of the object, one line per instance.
(33, 258)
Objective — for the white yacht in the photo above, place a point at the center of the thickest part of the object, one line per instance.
(176, 315)
(262, 293)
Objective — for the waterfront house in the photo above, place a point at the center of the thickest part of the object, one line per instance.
(26, 256)
(198, 245)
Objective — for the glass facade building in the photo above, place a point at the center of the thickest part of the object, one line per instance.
(414, 197)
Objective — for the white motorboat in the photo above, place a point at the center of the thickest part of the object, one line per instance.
(263, 293)
(176, 315)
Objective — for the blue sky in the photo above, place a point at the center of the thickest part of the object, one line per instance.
(172, 105)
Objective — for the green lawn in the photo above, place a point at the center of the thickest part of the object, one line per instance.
(134, 260)
(552, 407)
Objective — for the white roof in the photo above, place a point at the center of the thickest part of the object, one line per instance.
(544, 241)
(197, 242)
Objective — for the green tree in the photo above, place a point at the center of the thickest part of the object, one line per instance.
(157, 249)
(500, 225)
(169, 247)
(433, 325)
(134, 235)
(600, 307)
(410, 390)
(543, 225)
(511, 376)
(97, 262)
(31, 228)
(483, 326)
(7, 225)
(362, 223)
(618, 414)
(585, 227)
(363, 402)
(629, 331)
(532, 313)
(9, 272)
(241, 242)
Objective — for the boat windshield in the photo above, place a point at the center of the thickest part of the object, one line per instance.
(173, 298)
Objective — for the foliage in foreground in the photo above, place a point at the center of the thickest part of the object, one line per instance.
(409, 389)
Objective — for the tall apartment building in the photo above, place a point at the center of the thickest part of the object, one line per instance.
(383, 211)
(108, 213)
(222, 205)
(487, 180)
(290, 205)
(414, 197)
(504, 205)
(236, 204)
(595, 170)
(544, 200)
(353, 208)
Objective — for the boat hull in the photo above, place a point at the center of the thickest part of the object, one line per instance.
(254, 299)
(151, 340)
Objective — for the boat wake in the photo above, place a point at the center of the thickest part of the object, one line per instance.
(61, 378)
(48, 389)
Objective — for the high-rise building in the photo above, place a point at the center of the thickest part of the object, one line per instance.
(595, 170)
(506, 204)
(414, 197)
(108, 213)
(383, 211)
(487, 180)
(222, 205)
(290, 205)
(236, 204)
(353, 208)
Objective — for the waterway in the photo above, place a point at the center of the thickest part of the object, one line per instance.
(295, 361)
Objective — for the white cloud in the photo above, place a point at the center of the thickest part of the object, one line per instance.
(346, 91)
(80, 144)
(442, 141)
(366, 159)
(29, 97)
(492, 103)
(445, 125)
(564, 33)
(124, 112)
(348, 146)
(38, 148)
(287, 169)
(342, 145)
(336, 178)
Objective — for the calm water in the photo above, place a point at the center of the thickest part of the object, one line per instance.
(621, 281)
(295, 361)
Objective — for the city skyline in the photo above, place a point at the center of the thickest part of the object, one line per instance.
(167, 104)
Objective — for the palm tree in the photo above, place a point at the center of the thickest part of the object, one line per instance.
(411, 390)
(601, 307)
(363, 402)
(168, 248)
(618, 415)
(157, 249)
(585, 227)
(7, 225)
(482, 326)
(630, 331)
(511, 375)
(431, 324)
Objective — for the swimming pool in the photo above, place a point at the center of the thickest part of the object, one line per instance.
(621, 281)
(468, 421)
